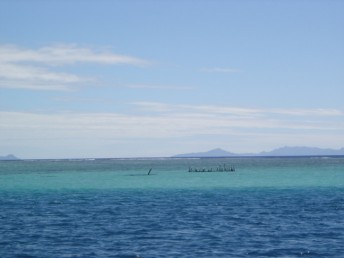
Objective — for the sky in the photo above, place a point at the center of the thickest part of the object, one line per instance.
(111, 79)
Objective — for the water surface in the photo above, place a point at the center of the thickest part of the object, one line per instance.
(270, 207)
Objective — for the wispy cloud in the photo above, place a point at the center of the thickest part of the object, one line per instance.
(196, 109)
(95, 130)
(65, 54)
(309, 112)
(28, 72)
(238, 111)
(158, 87)
(221, 70)
(229, 118)
(160, 125)
(35, 69)
(18, 76)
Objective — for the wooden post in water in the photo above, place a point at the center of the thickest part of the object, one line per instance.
(149, 171)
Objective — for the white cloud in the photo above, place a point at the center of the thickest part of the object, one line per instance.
(309, 112)
(222, 119)
(159, 125)
(32, 73)
(237, 111)
(18, 76)
(79, 131)
(65, 54)
(35, 85)
(33, 69)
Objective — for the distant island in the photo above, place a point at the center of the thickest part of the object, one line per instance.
(8, 157)
(284, 151)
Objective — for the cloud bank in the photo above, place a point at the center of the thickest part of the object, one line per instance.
(36, 69)
(170, 127)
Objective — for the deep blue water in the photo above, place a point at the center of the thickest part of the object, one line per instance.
(210, 215)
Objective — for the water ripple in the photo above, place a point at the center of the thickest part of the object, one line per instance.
(173, 223)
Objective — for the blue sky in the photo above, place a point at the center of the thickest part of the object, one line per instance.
(156, 78)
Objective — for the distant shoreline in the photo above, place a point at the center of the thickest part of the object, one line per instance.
(175, 158)
(283, 152)
(279, 152)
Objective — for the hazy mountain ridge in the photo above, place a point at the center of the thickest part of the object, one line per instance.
(8, 157)
(212, 153)
(218, 152)
(283, 151)
(303, 151)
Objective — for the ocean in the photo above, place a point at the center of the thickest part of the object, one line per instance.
(268, 207)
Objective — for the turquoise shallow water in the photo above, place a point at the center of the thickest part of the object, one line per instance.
(170, 173)
(270, 207)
